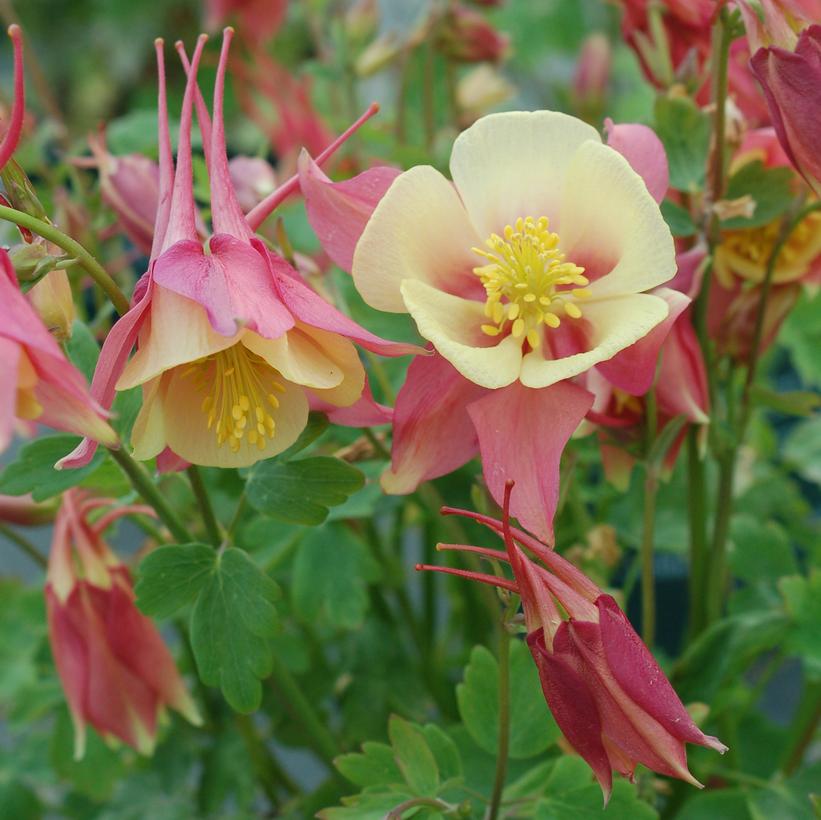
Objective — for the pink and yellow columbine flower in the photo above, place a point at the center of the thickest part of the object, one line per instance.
(608, 695)
(37, 382)
(117, 673)
(528, 269)
(231, 345)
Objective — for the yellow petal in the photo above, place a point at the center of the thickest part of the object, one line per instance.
(615, 324)
(513, 165)
(419, 230)
(454, 326)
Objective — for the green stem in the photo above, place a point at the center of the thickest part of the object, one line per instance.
(804, 727)
(378, 446)
(648, 588)
(24, 544)
(504, 724)
(697, 507)
(442, 808)
(142, 483)
(303, 712)
(236, 517)
(212, 526)
(97, 272)
(716, 578)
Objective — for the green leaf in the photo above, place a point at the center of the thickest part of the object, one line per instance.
(678, 219)
(761, 552)
(18, 802)
(802, 598)
(685, 131)
(728, 804)
(793, 402)
(171, 577)
(414, 757)
(232, 620)
(33, 470)
(375, 766)
(569, 793)
(317, 424)
(82, 348)
(532, 728)
(301, 492)
(802, 450)
(770, 189)
(445, 751)
(330, 574)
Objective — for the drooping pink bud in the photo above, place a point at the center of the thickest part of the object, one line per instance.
(117, 673)
(791, 81)
(592, 75)
(466, 36)
(608, 695)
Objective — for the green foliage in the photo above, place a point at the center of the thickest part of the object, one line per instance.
(769, 188)
(684, 130)
(301, 492)
(532, 728)
(33, 470)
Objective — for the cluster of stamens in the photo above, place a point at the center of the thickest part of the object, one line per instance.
(523, 277)
(239, 389)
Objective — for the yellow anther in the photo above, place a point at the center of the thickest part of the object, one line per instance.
(239, 387)
(525, 273)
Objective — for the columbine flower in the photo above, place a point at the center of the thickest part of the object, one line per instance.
(742, 258)
(608, 695)
(37, 382)
(116, 671)
(791, 81)
(232, 346)
(527, 270)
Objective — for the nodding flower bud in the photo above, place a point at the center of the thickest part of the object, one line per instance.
(591, 76)
(20, 192)
(608, 695)
(51, 297)
(466, 36)
(253, 179)
(129, 185)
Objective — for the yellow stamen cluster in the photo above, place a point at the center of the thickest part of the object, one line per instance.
(239, 389)
(522, 279)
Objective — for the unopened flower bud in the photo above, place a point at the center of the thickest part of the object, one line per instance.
(20, 192)
(466, 36)
(253, 179)
(52, 299)
(592, 75)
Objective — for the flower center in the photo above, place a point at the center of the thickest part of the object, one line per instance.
(524, 273)
(239, 389)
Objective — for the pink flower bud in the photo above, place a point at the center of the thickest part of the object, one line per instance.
(117, 673)
(253, 179)
(467, 37)
(51, 297)
(592, 74)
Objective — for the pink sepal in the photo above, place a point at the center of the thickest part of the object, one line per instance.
(634, 368)
(169, 462)
(432, 431)
(364, 412)
(339, 211)
(522, 433)
(640, 146)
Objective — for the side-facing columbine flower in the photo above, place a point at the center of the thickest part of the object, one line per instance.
(37, 382)
(528, 269)
(117, 674)
(232, 346)
(608, 695)
(791, 81)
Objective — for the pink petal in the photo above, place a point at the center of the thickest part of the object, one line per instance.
(689, 272)
(365, 412)
(232, 283)
(572, 705)
(9, 363)
(18, 108)
(634, 368)
(641, 678)
(432, 431)
(339, 211)
(169, 462)
(640, 146)
(522, 433)
(310, 308)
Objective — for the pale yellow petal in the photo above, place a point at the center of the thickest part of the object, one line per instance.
(148, 433)
(514, 164)
(343, 353)
(608, 218)
(615, 324)
(419, 230)
(453, 325)
(176, 331)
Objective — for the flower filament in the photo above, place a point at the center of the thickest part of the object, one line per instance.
(522, 277)
(240, 389)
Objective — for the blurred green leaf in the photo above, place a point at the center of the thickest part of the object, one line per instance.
(792, 402)
(171, 577)
(301, 492)
(802, 598)
(374, 766)
(82, 348)
(760, 552)
(802, 449)
(770, 188)
(33, 469)
(678, 219)
(685, 131)
(18, 802)
(230, 625)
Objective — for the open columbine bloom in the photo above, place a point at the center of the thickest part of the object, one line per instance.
(232, 346)
(117, 673)
(607, 693)
(528, 269)
(37, 382)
